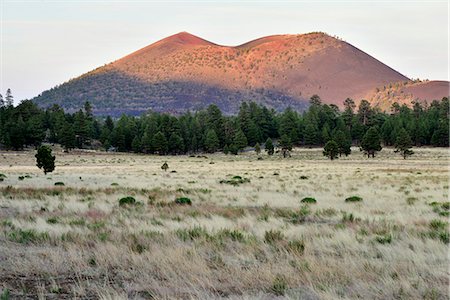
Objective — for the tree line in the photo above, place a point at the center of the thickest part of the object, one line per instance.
(209, 130)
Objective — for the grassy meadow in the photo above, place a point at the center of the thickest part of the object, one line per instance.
(225, 226)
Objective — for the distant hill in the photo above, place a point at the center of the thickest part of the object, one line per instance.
(408, 92)
(184, 72)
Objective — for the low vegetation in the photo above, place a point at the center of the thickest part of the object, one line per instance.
(231, 229)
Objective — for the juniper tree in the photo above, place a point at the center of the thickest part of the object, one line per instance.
(331, 150)
(269, 146)
(44, 159)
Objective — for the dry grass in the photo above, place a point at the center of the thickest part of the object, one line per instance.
(252, 240)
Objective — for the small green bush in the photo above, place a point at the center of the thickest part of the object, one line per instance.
(52, 220)
(127, 201)
(303, 177)
(438, 225)
(384, 239)
(59, 183)
(183, 201)
(273, 236)
(235, 180)
(296, 247)
(114, 184)
(279, 285)
(21, 177)
(354, 199)
(308, 200)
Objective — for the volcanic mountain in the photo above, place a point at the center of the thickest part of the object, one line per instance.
(184, 72)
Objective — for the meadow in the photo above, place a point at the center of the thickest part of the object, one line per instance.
(117, 226)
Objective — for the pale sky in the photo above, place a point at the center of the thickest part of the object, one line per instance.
(45, 43)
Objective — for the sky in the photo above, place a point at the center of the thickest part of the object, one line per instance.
(45, 43)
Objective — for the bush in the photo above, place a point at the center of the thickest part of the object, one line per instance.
(353, 199)
(308, 200)
(127, 201)
(59, 183)
(21, 178)
(52, 220)
(235, 180)
(279, 285)
(273, 236)
(384, 239)
(296, 247)
(303, 177)
(183, 201)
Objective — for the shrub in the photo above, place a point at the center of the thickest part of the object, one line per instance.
(192, 234)
(235, 180)
(114, 184)
(353, 199)
(279, 285)
(52, 220)
(21, 177)
(303, 177)
(438, 225)
(411, 200)
(165, 166)
(296, 247)
(59, 183)
(183, 201)
(127, 201)
(234, 235)
(308, 200)
(384, 239)
(273, 236)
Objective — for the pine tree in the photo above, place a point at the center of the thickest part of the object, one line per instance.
(176, 144)
(371, 142)
(331, 150)
(44, 159)
(9, 99)
(403, 143)
(136, 144)
(67, 139)
(269, 146)
(211, 141)
(285, 144)
(344, 143)
(2, 102)
(160, 144)
(240, 141)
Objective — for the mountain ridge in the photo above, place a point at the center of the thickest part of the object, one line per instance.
(184, 71)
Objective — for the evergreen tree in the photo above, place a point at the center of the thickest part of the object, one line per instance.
(343, 142)
(146, 143)
(269, 146)
(285, 144)
(403, 143)
(67, 139)
(44, 159)
(160, 144)
(136, 144)
(211, 141)
(365, 112)
(176, 144)
(2, 101)
(9, 99)
(331, 150)
(257, 148)
(240, 141)
(371, 142)
(311, 133)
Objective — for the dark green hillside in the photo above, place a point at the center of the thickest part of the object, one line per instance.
(113, 93)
